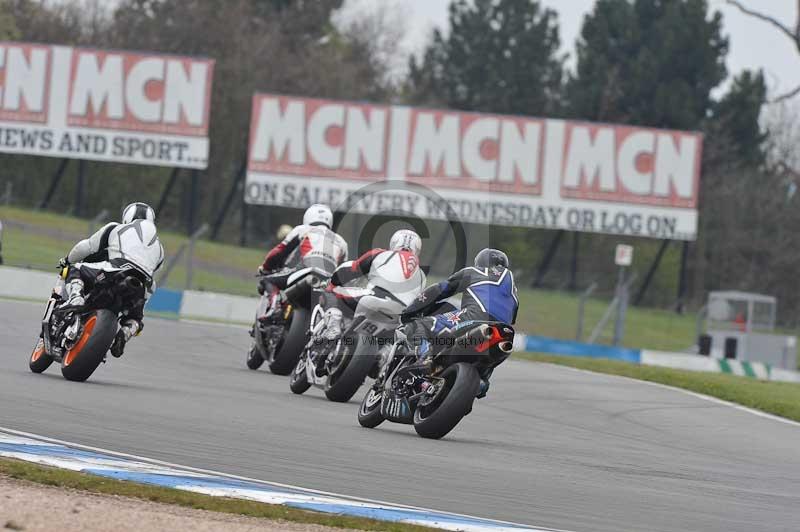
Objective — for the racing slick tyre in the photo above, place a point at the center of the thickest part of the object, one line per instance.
(369, 413)
(295, 340)
(439, 414)
(298, 380)
(254, 358)
(90, 349)
(40, 360)
(343, 384)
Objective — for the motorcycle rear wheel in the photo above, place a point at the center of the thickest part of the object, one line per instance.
(450, 404)
(294, 340)
(342, 386)
(90, 349)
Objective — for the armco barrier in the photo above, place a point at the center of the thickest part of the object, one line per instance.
(36, 285)
(541, 344)
(218, 306)
(26, 284)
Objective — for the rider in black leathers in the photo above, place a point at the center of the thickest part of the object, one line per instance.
(488, 293)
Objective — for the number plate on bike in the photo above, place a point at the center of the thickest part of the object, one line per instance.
(397, 409)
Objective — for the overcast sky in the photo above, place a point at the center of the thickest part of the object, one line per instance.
(754, 44)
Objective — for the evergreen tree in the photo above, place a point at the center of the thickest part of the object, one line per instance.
(500, 56)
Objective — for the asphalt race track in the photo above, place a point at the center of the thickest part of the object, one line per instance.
(550, 446)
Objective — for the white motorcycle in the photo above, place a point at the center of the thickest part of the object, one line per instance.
(340, 365)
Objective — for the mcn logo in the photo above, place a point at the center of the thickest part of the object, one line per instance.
(474, 152)
(106, 90)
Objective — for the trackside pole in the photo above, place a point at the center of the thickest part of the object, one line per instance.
(623, 258)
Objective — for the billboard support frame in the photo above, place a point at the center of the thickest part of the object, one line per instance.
(80, 188)
(544, 265)
(54, 182)
(651, 272)
(162, 201)
(680, 304)
(573, 267)
(238, 178)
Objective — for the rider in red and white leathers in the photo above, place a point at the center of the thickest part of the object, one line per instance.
(312, 244)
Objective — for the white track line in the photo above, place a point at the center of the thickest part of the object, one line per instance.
(697, 395)
(249, 479)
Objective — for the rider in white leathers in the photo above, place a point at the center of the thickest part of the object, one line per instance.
(132, 244)
(396, 270)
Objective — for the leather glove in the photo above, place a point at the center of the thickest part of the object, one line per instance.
(128, 330)
(63, 262)
(262, 270)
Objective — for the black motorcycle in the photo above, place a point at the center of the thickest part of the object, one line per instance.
(435, 397)
(279, 336)
(80, 337)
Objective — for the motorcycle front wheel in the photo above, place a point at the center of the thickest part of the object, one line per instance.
(437, 415)
(369, 413)
(298, 381)
(40, 360)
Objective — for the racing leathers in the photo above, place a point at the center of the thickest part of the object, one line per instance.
(307, 246)
(488, 294)
(114, 247)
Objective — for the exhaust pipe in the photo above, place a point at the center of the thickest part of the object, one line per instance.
(506, 346)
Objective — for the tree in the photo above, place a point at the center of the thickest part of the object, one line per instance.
(500, 56)
(792, 33)
(738, 114)
(648, 62)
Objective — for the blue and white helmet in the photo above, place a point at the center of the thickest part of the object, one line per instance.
(138, 211)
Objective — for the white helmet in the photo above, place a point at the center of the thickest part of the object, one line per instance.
(406, 239)
(318, 214)
(138, 211)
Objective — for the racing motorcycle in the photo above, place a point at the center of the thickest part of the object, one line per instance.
(434, 398)
(279, 336)
(358, 352)
(79, 337)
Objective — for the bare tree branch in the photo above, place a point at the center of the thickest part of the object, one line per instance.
(789, 95)
(794, 36)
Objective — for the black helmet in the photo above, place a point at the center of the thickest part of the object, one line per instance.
(489, 258)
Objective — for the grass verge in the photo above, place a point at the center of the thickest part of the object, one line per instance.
(778, 398)
(79, 481)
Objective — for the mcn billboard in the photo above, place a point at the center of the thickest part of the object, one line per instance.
(503, 170)
(102, 105)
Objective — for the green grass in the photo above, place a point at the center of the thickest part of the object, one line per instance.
(69, 479)
(542, 312)
(779, 398)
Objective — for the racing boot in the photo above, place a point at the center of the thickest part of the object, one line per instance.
(75, 293)
(331, 332)
(484, 385)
